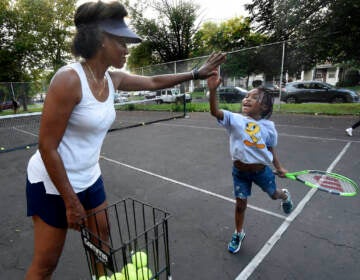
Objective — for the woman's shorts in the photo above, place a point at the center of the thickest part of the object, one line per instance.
(51, 208)
(265, 179)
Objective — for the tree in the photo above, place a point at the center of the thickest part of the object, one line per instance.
(34, 40)
(316, 31)
(34, 35)
(168, 34)
(235, 36)
(9, 55)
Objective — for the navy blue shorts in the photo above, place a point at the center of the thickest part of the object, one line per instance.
(51, 208)
(265, 179)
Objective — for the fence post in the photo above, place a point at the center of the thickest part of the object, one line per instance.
(281, 73)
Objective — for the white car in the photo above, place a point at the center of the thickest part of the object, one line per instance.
(120, 99)
(171, 95)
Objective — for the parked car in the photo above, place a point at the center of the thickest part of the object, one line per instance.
(123, 93)
(272, 88)
(6, 105)
(150, 94)
(171, 95)
(231, 94)
(120, 99)
(315, 91)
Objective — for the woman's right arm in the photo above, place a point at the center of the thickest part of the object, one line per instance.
(63, 95)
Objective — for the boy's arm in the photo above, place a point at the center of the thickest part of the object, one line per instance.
(279, 169)
(213, 83)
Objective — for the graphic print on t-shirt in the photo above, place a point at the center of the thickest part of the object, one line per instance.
(253, 129)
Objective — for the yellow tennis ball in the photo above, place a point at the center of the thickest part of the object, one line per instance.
(117, 276)
(2, 148)
(27, 147)
(144, 273)
(139, 259)
(129, 272)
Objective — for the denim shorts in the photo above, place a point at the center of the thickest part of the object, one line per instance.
(51, 208)
(265, 179)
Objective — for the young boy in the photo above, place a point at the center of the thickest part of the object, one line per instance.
(252, 147)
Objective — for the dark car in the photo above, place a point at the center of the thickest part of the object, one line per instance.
(273, 89)
(6, 105)
(314, 91)
(231, 94)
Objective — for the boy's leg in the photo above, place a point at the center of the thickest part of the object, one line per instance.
(266, 181)
(239, 234)
(287, 204)
(279, 194)
(242, 189)
(240, 208)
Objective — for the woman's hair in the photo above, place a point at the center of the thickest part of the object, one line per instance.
(266, 99)
(89, 36)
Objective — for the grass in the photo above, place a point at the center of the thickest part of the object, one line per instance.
(150, 107)
(320, 108)
(303, 108)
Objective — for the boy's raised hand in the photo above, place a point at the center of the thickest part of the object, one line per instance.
(214, 81)
(208, 69)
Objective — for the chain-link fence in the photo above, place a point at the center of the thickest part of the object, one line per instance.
(19, 96)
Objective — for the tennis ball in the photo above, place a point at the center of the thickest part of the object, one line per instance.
(139, 259)
(2, 148)
(129, 272)
(117, 276)
(104, 278)
(144, 273)
(27, 147)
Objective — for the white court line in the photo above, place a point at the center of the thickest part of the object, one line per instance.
(191, 187)
(25, 132)
(254, 263)
(280, 134)
(191, 126)
(316, 138)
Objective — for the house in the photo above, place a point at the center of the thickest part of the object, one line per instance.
(324, 73)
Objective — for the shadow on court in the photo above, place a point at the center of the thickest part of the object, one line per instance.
(184, 167)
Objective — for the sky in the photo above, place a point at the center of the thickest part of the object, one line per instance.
(221, 10)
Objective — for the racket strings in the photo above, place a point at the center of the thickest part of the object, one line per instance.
(329, 182)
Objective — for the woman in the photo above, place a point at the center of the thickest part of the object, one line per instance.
(64, 180)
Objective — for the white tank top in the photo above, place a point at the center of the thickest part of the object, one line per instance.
(81, 144)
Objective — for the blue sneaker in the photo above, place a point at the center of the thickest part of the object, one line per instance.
(235, 243)
(287, 205)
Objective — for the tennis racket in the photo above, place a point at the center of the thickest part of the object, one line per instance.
(325, 181)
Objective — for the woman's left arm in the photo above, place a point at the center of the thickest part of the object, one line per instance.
(128, 82)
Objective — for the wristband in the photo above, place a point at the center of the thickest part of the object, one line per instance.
(195, 74)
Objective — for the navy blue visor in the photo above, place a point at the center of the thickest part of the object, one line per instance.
(119, 28)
